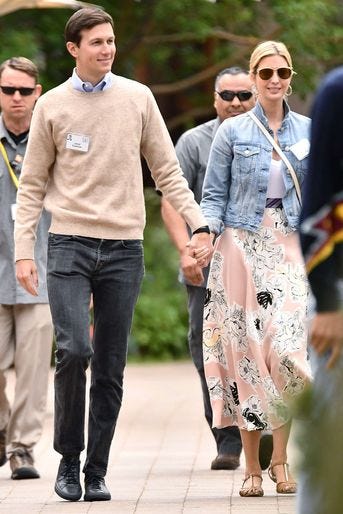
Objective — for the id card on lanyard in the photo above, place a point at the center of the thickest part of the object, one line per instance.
(13, 177)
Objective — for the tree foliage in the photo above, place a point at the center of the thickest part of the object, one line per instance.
(178, 46)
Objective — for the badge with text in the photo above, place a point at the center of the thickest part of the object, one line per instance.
(13, 211)
(301, 149)
(78, 142)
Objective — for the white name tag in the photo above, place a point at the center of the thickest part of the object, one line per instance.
(78, 142)
(301, 149)
(13, 211)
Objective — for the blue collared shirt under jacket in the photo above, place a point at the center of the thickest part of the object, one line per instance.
(236, 180)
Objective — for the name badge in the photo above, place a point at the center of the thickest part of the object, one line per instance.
(13, 211)
(301, 149)
(78, 142)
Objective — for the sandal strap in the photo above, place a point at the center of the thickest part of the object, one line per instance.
(252, 489)
(286, 487)
(285, 466)
(272, 464)
(252, 475)
(287, 483)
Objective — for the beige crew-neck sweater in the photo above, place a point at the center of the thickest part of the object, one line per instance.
(83, 164)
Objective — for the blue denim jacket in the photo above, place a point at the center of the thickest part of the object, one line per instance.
(236, 180)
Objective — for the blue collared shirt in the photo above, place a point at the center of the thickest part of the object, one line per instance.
(79, 85)
(236, 180)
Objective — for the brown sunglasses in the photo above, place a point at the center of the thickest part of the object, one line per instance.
(267, 73)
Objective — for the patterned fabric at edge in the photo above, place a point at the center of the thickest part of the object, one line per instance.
(255, 329)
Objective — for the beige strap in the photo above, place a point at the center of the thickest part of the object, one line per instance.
(10, 170)
(280, 152)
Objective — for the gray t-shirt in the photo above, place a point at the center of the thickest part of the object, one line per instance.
(193, 149)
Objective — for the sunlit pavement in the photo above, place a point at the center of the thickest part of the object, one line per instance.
(160, 457)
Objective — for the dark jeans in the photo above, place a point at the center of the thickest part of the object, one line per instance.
(228, 439)
(111, 270)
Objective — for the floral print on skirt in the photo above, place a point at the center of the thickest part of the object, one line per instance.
(255, 326)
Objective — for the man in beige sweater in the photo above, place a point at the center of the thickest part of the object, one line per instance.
(83, 163)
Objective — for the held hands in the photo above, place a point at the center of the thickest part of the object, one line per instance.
(27, 275)
(191, 270)
(200, 248)
(327, 334)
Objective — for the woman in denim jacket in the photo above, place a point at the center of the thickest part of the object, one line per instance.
(255, 332)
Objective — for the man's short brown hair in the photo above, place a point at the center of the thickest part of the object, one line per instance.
(86, 18)
(21, 64)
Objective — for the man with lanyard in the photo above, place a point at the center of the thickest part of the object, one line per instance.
(83, 162)
(232, 96)
(25, 321)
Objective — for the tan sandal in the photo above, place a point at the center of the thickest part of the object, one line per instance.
(286, 486)
(253, 489)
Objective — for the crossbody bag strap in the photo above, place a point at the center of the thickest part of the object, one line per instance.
(9, 167)
(280, 152)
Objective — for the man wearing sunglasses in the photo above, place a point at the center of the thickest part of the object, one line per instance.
(25, 321)
(232, 96)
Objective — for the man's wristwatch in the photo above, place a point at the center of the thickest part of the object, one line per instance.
(205, 229)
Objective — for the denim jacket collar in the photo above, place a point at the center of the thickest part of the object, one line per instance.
(259, 112)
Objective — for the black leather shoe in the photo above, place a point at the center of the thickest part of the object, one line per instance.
(266, 450)
(67, 484)
(21, 463)
(95, 489)
(225, 461)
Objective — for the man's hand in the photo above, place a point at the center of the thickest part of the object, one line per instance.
(200, 248)
(327, 334)
(191, 270)
(27, 275)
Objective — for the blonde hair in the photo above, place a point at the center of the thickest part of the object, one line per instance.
(267, 48)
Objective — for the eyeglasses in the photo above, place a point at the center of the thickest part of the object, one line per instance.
(24, 91)
(267, 73)
(228, 96)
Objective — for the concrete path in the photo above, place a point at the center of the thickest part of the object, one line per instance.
(160, 457)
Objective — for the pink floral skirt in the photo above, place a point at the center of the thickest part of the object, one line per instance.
(255, 325)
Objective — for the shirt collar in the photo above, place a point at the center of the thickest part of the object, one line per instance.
(79, 85)
(258, 110)
(4, 135)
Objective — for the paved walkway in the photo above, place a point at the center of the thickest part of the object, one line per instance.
(159, 461)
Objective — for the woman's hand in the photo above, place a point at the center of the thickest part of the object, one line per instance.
(200, 248)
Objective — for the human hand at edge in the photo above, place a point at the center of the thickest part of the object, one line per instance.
(27, 276)
(327, 334)
(191, 270)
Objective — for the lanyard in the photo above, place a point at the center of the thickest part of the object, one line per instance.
(10, 170)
